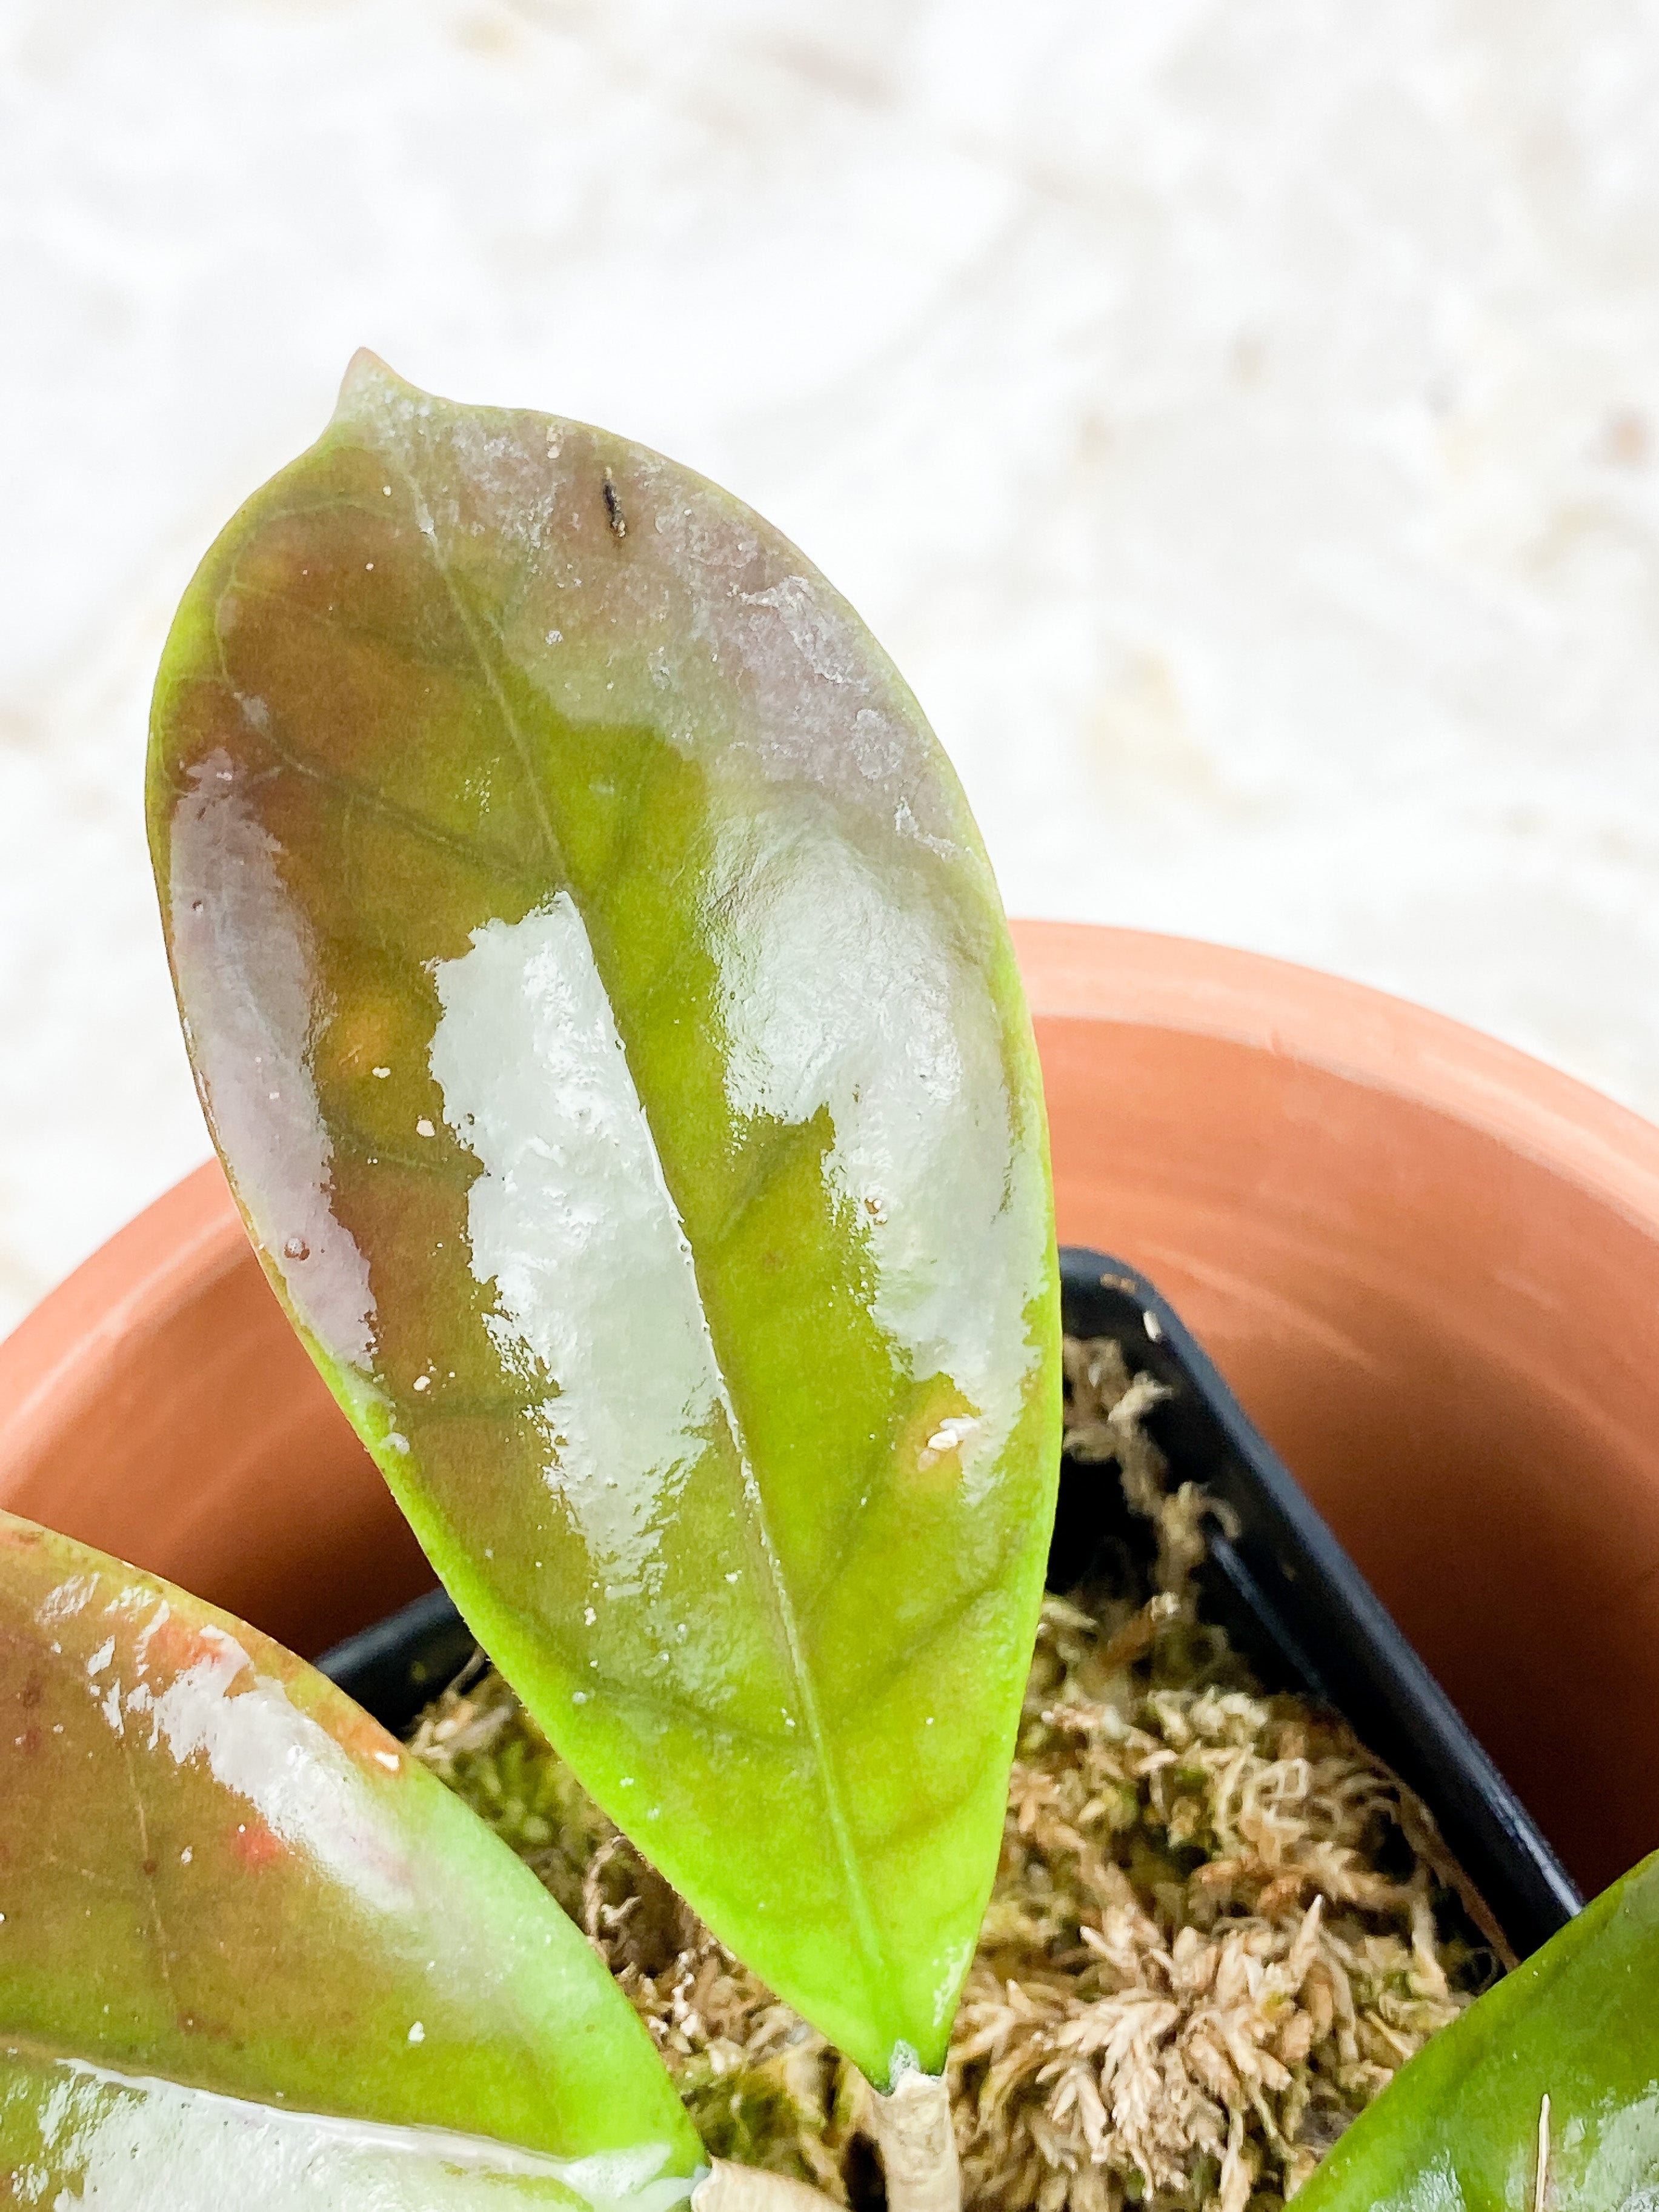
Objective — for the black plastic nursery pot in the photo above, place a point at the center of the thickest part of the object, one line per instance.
(1290, 1599)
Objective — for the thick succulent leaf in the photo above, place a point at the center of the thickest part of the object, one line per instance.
(1463, 2128)
(604, 1008)
(75, 2135)
(241, 1929)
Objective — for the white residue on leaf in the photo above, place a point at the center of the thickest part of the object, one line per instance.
(66, 1601)
(841, 990)
(243, 954)
(255, 1743)
(948, 1988)
(705, 624)
(1621, 2166)
(124, 2143)
(573, 1225)
(828, 644)
(951, 1434)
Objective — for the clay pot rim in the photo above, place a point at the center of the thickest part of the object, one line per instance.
(192, 1235)
(159, 1262)
(1364, 1035)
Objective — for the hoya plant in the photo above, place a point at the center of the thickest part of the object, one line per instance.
(254, 1955)
(601, 1002)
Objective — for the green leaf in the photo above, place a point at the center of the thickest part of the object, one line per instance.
(1459, 2129)
(603, 1005)
(244, 1933)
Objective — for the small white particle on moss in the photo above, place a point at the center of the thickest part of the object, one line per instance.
(417, 2032)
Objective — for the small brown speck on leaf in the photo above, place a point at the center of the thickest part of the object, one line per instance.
(614, 515)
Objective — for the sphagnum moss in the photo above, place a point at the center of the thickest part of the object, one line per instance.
(1218, 1926)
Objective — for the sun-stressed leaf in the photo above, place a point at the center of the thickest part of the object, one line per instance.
(603, 1005)
(1543, 2097)
(242, 1934)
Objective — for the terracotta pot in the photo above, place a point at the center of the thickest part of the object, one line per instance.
(1429, 1266)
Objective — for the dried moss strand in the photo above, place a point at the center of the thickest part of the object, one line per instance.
(1216, 1930)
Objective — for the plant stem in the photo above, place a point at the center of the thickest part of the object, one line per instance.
(728, 2187)
(918, 2144)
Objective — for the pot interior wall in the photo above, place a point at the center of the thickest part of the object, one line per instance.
(158, 1407)
(1448, 1339)
(1448, 1343)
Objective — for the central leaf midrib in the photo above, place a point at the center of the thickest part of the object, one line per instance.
(863, 1917)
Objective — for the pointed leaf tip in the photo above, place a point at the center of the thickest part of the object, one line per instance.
(604, 1008)
(366, 380)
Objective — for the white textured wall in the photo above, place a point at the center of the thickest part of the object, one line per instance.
(1242, 423)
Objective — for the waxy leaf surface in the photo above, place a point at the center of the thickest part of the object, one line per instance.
(1465, 2126)
(604, 1008)
(252, 1955)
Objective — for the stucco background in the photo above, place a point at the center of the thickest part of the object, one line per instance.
(1241, 423)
